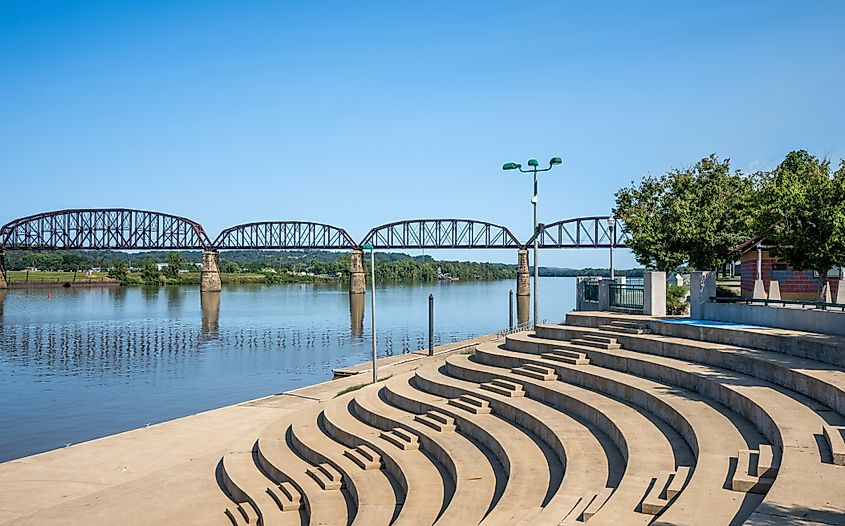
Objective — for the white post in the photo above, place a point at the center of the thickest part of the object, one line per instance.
(654, 293)
(702, 288)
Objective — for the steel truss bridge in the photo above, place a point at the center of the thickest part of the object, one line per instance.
(125, 229)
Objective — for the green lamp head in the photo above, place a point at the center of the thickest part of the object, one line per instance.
(511, 166)
(555, 161)
(533, 162)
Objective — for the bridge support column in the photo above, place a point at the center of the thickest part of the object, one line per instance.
(357, 277)
(2, 269)
(523, 277)
(210, 275)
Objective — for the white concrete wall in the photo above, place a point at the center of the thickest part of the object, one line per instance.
(811, 320)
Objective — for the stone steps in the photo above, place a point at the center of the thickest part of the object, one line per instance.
(585, 342)
(572, 357)
(469, 468)
(754, 470)
(666, 487)
(437, 421)
(278, 459)
(471, 404)
(527, 469)
(536, 372)
(252, 490)
(785, 418)
(425, 489)
(833, 435)
(504, 388)
(625, 327)
(712, 430)
(364, 457)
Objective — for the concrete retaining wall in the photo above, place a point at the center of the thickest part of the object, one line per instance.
(810, 320)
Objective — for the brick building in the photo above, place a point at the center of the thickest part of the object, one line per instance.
(794, 285)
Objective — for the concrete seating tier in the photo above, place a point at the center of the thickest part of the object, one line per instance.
(605, 421)
(787, 419)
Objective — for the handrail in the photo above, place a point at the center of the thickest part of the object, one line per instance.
(821, 305)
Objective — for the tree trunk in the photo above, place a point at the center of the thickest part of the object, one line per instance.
(823, 286)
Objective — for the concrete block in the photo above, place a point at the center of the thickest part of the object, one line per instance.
(702, 288)
(654, 293)
(840, 292)
(759, 290)
(774, 290)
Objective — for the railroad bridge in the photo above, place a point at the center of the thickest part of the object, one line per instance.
(126, 229)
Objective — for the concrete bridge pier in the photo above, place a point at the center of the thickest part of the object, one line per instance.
(357, 277)
(3, 283)
(523, 277)
(210, 275)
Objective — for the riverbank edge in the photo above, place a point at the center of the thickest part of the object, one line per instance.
(49, 487)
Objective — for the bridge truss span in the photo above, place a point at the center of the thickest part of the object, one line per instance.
(441, 233)
(103, 229)
(581, 232)
(287, 235)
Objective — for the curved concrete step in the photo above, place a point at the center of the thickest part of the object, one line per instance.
(282, 464)
(582, 455)
(526, 466)
(712, 430)
(371, 491)
(257, 496)
(647, 450)
(805, 486)
(822, 382)
(473, 475)
(424, 487)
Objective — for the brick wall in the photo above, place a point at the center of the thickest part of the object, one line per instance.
(793, 285)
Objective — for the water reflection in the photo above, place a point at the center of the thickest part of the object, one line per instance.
(356, 314)
(2, 301)
(210, 307)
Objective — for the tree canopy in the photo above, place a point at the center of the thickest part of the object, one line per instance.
(801, 213)
(691, 216)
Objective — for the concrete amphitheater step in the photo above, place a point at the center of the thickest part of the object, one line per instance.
(805, 486)
(472, 474)
(755, 470)
(712, 431)
(282, 464)
(528, 471)
(257, 496)
(575, 446)
(822, 382)
(437, 421)
(425, 490)
(570, 356)
(626, 327)
(647, 449)
(373, 497)
(504, 388)
(666, 487)
(833, 435)
(471, 404)
(536, 372)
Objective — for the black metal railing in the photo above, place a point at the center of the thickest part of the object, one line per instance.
(591, 291)
(626, 296)
(783, 303)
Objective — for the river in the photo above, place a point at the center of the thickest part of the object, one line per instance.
(77, 364)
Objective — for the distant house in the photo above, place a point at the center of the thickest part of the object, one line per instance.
(794, 285)
(676, 279)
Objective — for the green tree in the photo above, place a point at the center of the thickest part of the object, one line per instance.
(695, 216)
(175, 263)
(150, 273)
(118, 271)
(802, 214)
(230, 267)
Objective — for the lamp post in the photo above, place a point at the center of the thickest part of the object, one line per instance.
(533, 168)
(369, 246)
(611, 222)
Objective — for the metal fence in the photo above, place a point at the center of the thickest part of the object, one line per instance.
(626, 296)
(591, 291)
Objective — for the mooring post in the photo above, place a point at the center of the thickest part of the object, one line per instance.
(431, 324)
(510, 309)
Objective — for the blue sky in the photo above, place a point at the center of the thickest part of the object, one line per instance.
(358, 114)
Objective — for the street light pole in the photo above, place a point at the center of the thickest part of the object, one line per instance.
(373, 305)
(533, 164)
(611, 222)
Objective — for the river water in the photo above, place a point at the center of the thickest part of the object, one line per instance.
(77, 364)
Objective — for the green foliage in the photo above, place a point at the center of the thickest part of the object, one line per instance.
(802, 214)
(230, 267)
(695, 216)
(150, 273)
(725, 292)
(676, 300)
(175, 263)
(119, 271)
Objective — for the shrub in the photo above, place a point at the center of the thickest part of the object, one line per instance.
(676, 300)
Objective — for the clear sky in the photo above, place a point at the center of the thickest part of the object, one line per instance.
(362, 113)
